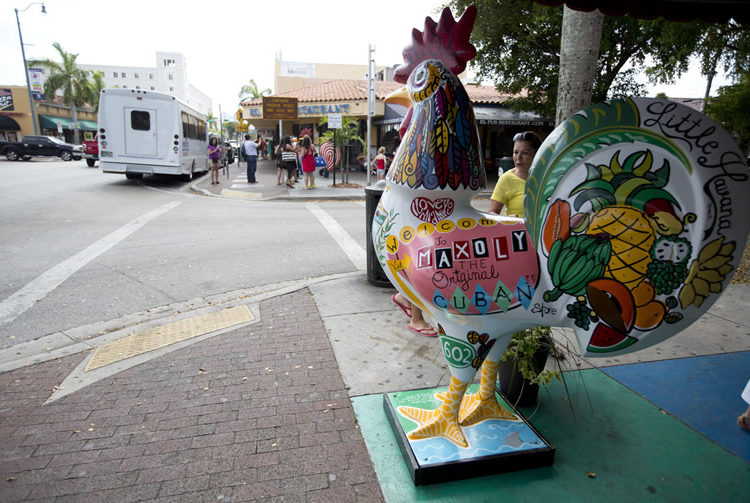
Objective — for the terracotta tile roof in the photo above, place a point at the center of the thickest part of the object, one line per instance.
(353, 90)
(485, 94)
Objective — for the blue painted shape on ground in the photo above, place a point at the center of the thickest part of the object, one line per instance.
(702, 392)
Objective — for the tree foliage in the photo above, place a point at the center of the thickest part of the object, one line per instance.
(344, 136)
(95, 86)
(732, 108)
(518, 48)
(250, 91)
(65, 76)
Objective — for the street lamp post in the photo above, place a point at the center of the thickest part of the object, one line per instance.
(25, 68)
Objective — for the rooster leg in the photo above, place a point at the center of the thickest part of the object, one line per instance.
(443, 421)
(483, 405)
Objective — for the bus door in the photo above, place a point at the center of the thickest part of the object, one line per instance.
(140, 132)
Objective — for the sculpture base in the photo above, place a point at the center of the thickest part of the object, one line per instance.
(495, 445)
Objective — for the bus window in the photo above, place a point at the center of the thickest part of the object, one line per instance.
(140, 121)
(193, 127)
(185, 126)
(201, 130)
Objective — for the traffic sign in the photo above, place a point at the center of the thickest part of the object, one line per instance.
(335, 121)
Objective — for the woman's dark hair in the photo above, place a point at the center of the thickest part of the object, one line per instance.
(287, 140)
(306, 141)
(213, 141)
(529, 136)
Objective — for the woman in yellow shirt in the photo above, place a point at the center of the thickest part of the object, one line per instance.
(510, 186)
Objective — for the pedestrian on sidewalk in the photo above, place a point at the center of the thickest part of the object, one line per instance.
(380, 161)
(307, 153)
(250, 149)
(417, 323)
(214, 156)
(287, 161)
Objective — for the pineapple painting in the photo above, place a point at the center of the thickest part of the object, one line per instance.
(630, 207)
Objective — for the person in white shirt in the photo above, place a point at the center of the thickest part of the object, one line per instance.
(250, 150)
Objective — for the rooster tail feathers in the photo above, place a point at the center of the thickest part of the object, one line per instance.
(653, 202)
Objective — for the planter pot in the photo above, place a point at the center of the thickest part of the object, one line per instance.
(517, 390)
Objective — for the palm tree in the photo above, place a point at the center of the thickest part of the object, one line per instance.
(95, 89)
(66, 76)
(251, 91)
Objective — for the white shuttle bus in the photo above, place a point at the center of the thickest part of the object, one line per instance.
(146, 132)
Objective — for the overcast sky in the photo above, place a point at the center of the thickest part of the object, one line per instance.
(226, 42)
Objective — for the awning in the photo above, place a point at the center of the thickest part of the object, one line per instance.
(51, 122)
(8, 124)
(87, 125)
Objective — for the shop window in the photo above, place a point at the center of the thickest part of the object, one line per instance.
(137, 76)
(114, 74)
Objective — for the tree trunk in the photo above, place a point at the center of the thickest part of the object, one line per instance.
(579, 52)
(74, 118)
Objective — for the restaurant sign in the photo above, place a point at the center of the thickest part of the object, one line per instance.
(275, 107)
(309, 110)
(6, 100)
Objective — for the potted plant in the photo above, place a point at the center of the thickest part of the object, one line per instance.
(522, 365)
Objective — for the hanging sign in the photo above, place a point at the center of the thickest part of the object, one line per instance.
(280, 108)
(36, 76)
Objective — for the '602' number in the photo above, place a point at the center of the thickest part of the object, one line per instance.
(458, 353)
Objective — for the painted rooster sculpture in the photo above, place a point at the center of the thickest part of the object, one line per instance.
(634, 212)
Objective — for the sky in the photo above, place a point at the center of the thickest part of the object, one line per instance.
(231, 43)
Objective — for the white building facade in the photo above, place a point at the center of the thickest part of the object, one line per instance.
(168, 76)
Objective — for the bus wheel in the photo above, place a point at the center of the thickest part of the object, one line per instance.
(133, 176)
(90, 162)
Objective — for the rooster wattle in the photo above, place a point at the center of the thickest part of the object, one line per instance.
(633, 211)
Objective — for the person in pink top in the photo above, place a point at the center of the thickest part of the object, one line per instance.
(307, 153)
(380, 163)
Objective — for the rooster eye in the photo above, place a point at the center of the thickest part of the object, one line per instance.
(420, 76)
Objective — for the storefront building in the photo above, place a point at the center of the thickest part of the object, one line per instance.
(496, 122)
(54, 118)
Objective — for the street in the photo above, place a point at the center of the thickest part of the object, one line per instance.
(84, 247)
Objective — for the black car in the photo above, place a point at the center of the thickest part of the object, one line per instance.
(40, 146)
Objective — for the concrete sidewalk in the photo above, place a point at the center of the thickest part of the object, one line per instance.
(233, 184)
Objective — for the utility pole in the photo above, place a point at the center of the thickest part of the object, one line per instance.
(370, 102)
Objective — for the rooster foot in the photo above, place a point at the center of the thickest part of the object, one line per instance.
(475, 410)
(434, 423)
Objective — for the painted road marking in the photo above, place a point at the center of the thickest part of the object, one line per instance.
(350, 247)
(34, 291)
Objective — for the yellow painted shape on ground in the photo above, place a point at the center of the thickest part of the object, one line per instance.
(240, 194)
(159, 337)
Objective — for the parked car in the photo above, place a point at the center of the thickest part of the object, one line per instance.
(40, 146)
(91, 151)
(235, 146)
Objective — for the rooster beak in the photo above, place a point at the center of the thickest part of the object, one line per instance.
(405, 123)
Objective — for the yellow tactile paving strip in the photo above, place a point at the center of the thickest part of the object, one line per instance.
(159, 337)
(240, 194)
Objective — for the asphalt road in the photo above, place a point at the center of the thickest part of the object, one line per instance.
(80, 247)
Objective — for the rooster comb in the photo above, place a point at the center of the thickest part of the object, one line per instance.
(446, 40)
